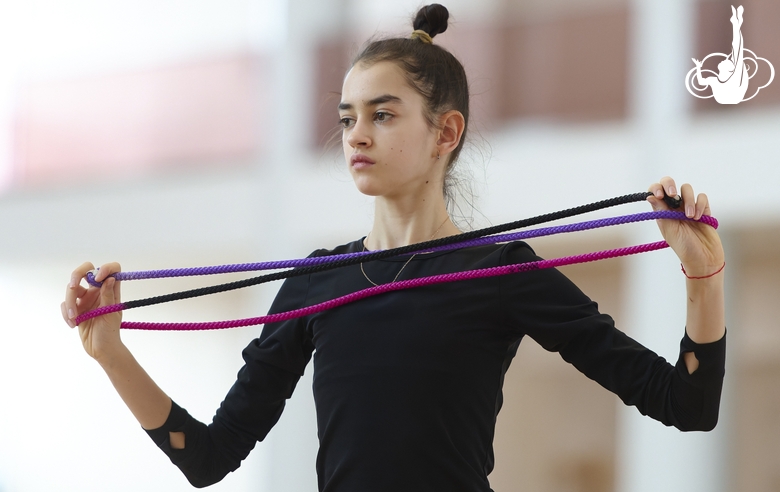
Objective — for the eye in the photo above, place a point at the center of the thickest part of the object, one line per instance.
(382, 116)
(346, 122)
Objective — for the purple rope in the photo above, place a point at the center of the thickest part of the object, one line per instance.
(663, 214)
(577, 227)
(403, 284)
(516, 236)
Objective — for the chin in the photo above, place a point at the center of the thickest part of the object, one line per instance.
(366, 187)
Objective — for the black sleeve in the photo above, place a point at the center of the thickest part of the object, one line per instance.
(273, 364)
(549, 308)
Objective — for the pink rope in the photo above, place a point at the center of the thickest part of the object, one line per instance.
(103, 310)
(380, 289)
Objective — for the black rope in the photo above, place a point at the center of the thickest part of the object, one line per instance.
(203, 291)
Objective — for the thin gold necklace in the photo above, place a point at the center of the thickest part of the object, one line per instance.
(407, 261)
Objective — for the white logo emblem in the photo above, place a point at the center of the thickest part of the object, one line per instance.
(730, 84)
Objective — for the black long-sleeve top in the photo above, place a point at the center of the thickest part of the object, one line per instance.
(407, 384)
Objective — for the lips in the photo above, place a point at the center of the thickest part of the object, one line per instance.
(360, 160)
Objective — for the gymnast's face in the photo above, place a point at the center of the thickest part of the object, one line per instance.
(389, 146)
(725, 69)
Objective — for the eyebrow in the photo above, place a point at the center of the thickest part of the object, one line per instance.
(374, 102)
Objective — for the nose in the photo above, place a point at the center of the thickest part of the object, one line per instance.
(359, 134)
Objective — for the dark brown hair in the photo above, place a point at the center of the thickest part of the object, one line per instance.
(431, 70)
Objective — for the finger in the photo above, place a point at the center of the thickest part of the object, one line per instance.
(107, 292)
(657, 190)
(72, 295)
(72, 292)
(670, 188)
(702, 206)
(79, 273)
(689, 200)
(117, 291)
(656, 203)
(105, 270)
(80, 290)
(65, 316)
(90, 300)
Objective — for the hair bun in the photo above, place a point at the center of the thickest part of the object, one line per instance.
(432, 19)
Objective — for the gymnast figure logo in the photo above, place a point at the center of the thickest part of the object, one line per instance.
(730, 84)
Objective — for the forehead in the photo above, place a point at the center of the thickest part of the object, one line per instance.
(364, 83)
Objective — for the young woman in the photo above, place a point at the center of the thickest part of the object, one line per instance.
(408, 384)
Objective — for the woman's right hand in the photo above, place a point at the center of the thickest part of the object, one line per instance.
(100, 335)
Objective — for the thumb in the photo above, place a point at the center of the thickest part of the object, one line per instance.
(107, 292)
(655, 203)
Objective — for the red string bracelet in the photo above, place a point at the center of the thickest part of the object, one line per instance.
(706, 276)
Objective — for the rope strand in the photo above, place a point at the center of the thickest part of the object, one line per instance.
(403, 284)
(449, 244)
(352, 259)
(376, 255)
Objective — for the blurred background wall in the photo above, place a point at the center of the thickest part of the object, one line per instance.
(168, 134)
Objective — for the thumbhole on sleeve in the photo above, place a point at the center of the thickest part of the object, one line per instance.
(176, 439)
(691, 362)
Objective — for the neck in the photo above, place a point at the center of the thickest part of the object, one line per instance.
(399, 223)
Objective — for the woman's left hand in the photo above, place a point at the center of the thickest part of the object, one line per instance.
(697, 245)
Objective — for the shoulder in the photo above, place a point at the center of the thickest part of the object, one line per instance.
(537, 283)
(517, 252)
(295, 289)
(350, 247)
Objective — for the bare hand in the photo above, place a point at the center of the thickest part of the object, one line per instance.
(100, 335)
(697, 245)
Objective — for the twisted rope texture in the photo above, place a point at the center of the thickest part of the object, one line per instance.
(493, 239)
(354, 258)
(404, 284)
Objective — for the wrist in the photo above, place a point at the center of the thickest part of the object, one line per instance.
(699, 272)
(112, 356)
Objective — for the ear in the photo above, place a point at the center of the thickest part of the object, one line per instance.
(451, 126)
